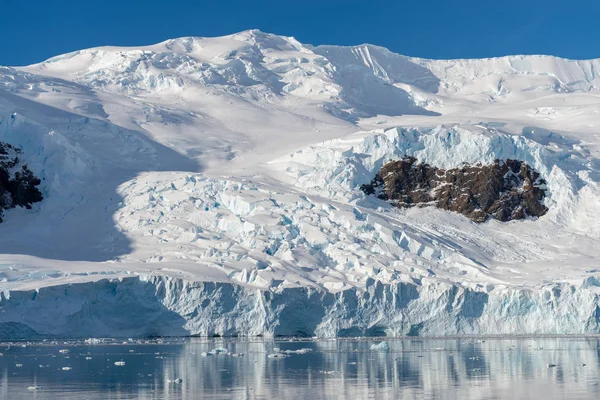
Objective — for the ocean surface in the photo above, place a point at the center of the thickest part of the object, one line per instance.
(520, 368)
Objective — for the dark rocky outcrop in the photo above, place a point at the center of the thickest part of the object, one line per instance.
(18, 185)
(504, 190)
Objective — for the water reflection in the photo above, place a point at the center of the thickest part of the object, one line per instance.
(344, 369)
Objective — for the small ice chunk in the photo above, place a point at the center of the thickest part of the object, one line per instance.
(277, 355)
(220, 350)
(120, 363)
(300, 351)
(383, 346)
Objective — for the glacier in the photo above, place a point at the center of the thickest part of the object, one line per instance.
(210, 186)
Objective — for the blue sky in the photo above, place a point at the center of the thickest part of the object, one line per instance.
(33, 30)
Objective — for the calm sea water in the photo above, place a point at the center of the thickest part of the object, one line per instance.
(335, 369)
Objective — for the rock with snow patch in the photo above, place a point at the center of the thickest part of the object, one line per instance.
(18, 185)
(504, 190)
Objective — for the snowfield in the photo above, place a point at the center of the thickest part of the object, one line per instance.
(209, 186)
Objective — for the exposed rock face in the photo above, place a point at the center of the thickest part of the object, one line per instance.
(18, 185)
(504, 190)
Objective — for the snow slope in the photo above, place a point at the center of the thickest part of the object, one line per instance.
(210, 186)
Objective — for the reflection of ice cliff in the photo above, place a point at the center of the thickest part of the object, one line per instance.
(340, 369)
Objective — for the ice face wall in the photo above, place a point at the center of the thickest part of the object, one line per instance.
(161, 306)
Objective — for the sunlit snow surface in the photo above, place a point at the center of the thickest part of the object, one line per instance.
(525, 368)
(210, 186)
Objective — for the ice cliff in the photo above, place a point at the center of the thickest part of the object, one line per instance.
(162, 306)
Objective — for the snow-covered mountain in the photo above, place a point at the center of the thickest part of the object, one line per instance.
(211, 186)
